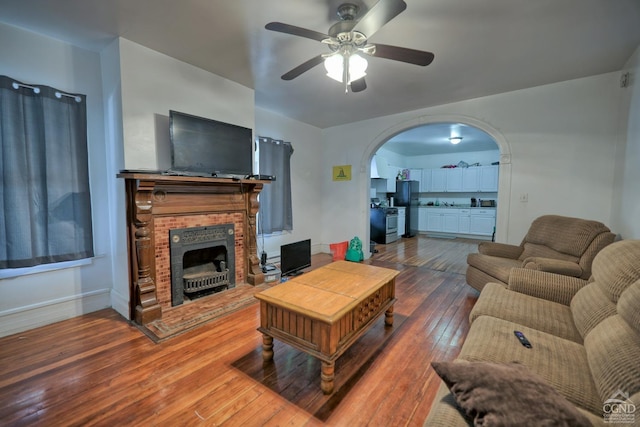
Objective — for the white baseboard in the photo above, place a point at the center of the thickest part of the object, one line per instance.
(22, 319)
(120, 303)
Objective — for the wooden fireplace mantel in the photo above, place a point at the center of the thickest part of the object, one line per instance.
(151, 195)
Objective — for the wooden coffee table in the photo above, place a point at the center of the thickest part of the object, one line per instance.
(326, 310)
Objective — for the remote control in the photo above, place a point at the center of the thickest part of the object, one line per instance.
(523, 340)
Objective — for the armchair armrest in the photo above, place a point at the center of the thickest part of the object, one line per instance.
(541, 284)
(502, 250)
(567, 268)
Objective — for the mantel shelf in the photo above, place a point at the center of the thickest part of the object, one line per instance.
(182, 178)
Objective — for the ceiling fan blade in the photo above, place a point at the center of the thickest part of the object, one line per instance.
(411, 56)
(296, 31)
(381, 13)
(305, 66)
(358, 85)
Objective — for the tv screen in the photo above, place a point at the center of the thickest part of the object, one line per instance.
(294, 257)
(208, 147)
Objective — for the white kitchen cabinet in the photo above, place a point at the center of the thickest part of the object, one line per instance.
(488, 181)
(422, 219)
(442, 220)
(454, 179)
(416, 175)
(464, 221)
(445, 180)
(391, 185)
(458, 221)
(438, 180)
(466, 180)
(425, 185)
(471, 179)
(379, 184)
(450, 220)
(401, 221)
(482, 221)
(434, 220)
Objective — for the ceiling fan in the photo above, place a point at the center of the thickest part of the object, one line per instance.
(348, 38)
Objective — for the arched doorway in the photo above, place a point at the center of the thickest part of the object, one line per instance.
(504, 183)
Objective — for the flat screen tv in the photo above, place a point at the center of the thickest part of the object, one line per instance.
(207, 147)
(294, 257)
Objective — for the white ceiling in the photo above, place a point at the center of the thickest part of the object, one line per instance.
(434, 139)
(481, 47)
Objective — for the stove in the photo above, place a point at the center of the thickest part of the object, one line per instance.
(384, 224)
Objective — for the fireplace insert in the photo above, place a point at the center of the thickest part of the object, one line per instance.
(202, 261)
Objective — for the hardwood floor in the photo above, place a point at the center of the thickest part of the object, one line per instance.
(98, 369)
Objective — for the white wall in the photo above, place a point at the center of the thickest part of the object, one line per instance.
(114, 160)
(307, 203)
(562, 153)
(32, 300)
(153, 84)
(626, 198)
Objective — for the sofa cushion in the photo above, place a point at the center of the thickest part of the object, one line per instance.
(613, 347)
(629, 306)
(617, 267)
(590, 306)
(478, 279)
(540, 284)
(493, 266)
(532, 250)
(562, 363)
(547, 316)
(613, 351)
(444, 411)
(506, 394)
(567, 235)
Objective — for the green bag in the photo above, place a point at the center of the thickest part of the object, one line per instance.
(354, 252)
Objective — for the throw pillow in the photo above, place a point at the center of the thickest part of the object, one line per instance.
(494, 394)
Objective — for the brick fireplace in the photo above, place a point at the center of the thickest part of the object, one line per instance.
(158, 206)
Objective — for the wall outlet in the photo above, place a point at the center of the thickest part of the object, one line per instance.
(524, 197)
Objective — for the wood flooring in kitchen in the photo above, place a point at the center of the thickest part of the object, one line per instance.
(98, 369)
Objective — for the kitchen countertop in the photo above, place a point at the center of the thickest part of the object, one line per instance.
(456, 207)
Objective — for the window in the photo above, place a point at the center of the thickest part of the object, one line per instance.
(275, 198)
(45, 203)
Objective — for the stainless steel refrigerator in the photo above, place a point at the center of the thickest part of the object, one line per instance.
(407, 195)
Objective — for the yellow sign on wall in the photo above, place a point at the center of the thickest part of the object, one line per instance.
(342, 173)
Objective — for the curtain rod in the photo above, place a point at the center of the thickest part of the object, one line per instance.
(36, 89)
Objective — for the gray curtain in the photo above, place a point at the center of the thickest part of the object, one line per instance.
(275, 212)
(45, 204)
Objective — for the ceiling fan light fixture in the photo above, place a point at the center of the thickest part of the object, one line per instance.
(357, 67)
(335, 64)
(455, 139)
